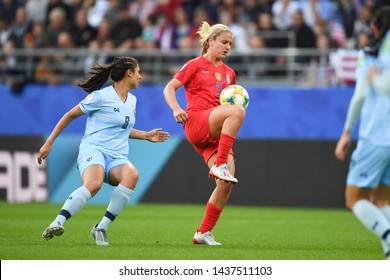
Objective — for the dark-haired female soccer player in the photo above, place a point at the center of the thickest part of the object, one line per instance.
(103, 151)
(368, 181)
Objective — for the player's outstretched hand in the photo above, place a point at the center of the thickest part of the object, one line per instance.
(43, 152)
(157, 135)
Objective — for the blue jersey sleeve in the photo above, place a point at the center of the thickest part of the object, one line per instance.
(91, 103)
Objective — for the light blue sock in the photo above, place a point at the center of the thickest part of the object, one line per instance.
(72, 205)
(119, 199)
(373, 219)
(386, 211)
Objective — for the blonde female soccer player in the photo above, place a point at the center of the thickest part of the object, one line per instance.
(210, 127)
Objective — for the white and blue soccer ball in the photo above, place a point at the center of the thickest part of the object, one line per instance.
(234, 95)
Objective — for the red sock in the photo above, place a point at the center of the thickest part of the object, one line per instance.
(225, 144)
(210, 218)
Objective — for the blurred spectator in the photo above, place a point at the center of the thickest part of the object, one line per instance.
(363, 23)
(232, 7)
(317, 12)
(94, 57)
(252, 9)
(103, 31)
(168, 8)
(240, 42)
(267, 28)
(28, 60)
(68, 63)
(211, 6)
(97, 9)
(200, 14)
(265, 24)
(164, 32)
(115, 7)
(320, 70)
(19, 27)
(57, 24)
(182, 26)
(36, 10)
(265, 6)
(348, 16)
(283, 12)
(45, 72)
(142, 10)
(5, 32)
(147, 40)
(82, 32)
(55, 5)
(260, 63)
(38, 30)
(304, 35)
(363, 41)
(125, 30)
(8, 10)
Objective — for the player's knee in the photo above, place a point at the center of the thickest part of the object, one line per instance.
(131, 179)
(239, 113)
(93, 186)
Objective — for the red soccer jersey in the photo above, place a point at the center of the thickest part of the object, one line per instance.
(203, 83)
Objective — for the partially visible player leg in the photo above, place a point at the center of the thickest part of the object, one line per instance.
(92, 182)
(225, 122)
(127, 174)
(381, 199)
(214, 207)
(367, 213)
(72, 205)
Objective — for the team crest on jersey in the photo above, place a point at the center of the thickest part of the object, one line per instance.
(228, 78)
(88, 98)
(218, 76)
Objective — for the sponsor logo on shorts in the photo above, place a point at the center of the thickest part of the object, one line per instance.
(89, 158)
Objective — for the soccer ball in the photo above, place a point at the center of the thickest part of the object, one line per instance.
(234, 94)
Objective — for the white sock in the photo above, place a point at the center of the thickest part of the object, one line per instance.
(373, 219)
(119, 199)
(386, 211)
(72, 205)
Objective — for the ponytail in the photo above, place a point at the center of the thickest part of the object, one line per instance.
(101, 73)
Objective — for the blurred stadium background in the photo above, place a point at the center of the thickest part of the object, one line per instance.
(297, 64)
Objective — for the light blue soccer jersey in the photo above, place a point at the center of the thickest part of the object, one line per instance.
(109, 121)
(375, 116)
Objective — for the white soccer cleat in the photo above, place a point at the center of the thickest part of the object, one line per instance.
(222, 172)
(99, 235)
(206, 238)
(52, 231)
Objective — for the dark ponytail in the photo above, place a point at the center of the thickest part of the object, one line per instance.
(100, 73)
(382, 22)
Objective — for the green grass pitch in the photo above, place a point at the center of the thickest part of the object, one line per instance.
(164, 232)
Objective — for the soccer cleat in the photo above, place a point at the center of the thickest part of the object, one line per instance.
(206, 238)
(222, 172)
(52, 231)
(99, 235)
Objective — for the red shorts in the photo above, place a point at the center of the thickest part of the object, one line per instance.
(197, 131)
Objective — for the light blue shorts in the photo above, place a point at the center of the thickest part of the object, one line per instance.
(92, 156)
(369, 166)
